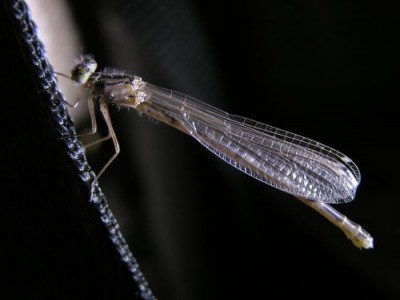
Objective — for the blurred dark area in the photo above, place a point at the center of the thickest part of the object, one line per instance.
(199, 228)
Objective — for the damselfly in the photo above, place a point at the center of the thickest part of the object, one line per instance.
(314, 173)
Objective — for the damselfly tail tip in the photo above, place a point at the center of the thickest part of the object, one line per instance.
(364, 241)
(368, 243)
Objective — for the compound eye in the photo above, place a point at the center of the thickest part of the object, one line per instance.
(82, 71)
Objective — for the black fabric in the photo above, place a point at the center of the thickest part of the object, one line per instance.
(61, 241)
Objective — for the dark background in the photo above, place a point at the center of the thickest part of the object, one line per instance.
(201, 229)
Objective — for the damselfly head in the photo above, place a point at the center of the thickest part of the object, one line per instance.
(83, 69)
